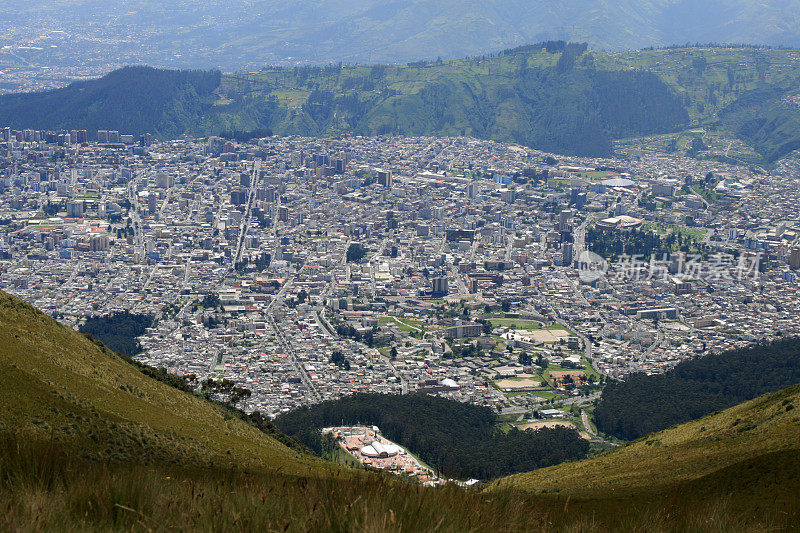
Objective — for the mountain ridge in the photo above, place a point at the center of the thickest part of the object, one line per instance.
(553, 96)
(247, 35)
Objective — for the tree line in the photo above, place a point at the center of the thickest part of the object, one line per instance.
(119, 331)
(643, 404)
(459, 440)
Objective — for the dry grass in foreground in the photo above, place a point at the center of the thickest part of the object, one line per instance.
(43, 488)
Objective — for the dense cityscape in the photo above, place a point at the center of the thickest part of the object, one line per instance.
(379, 266)
(308, 269)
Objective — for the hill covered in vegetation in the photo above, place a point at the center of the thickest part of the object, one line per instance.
(643, 404)
(555, 107)
(554, 96)
(57, 384)
(459, 440)
(134, 100)
(748, 453)
(89, 442)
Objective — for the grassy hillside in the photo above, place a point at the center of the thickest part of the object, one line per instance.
(57, 384)
(87, 443)
(747, 451)
(743, 93)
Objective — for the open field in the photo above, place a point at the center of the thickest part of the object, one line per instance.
(545, 424)
(553, 424)
(600, 174)
(516, 323)
(523, 383)
(549, 335)
(403, 324)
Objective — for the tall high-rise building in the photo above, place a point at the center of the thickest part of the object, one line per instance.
(578, 198)
(283, 213)
(238, 197)
(152, 203)
(75, 209)
(566, 253)
(794, 258)
(99, 243)
(163, 180)
(563, 220)
(385, 178)
(439, 286)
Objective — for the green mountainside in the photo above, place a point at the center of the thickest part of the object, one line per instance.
(57, 384)
(696, 387)
(89, 443)
(552, 96)
(132, 100)
(748, 451)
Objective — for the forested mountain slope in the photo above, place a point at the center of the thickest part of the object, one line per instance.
(643, 404)
(458, 440)
(131, 100)
(553, 96)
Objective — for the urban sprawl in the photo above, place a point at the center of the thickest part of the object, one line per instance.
(308, 269)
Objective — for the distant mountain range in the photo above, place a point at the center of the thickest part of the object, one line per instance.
(237, 35)
(553, 96)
